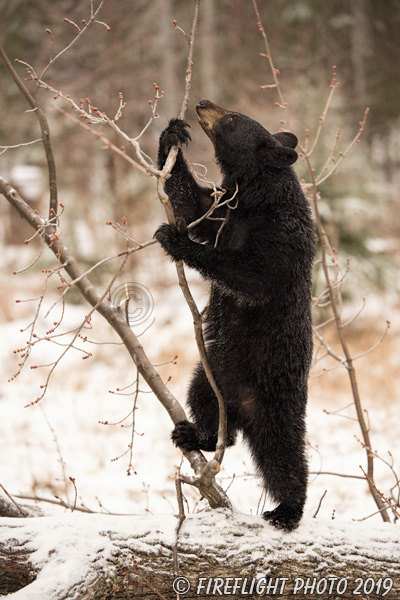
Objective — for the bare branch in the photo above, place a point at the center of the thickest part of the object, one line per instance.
(44, 127)
(319, 504)
(86, 24)
(212, 492)
(93, 115)
(5, 148)
(328, 348)
(354, 317)
(334, 85)
(349, 360)
(381, 495)
(188, 75)
(105, 141)
(213, 466)
(343, 155)
(378, 343)
(333, 285)
(275, 72)
(181, 518)
(344, 475)
(18, 507)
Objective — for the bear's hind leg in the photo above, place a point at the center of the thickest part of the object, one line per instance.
(278, 448)
(285, 516)
(202, 433)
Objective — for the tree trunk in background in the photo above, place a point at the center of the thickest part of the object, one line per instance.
(361, 49)
(167, 39)
(207, 28)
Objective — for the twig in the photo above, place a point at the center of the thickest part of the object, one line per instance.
(329, 349)
(70, 284)
(378, 343)
(344, 475)
(72, 480)
(57, 502)
(354, 317)
(5, 148)
(34, 261)
(349, 360)
(78, 330)
(60, 457)
(204, 471)
(93, 115)
(377, 512)
(132, 412)
(44, 128)
(27, 350)
(19, 508)
(331, 157)
(212, 492)
(213, 466)
(216, 204)
(320, 503)
(188, 75)
(397, 480)
(105, 141)
(347, 150)
(87, 24)
(154, 115)
(181, 518)
(275, 72)
(334, 85)
(326, 251)
(381, 495)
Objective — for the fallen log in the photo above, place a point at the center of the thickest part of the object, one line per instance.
(218, 554)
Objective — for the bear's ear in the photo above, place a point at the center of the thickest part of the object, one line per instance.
(278, 156)
(286, 139)
(283, 156)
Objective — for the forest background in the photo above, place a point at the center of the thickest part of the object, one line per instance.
(61, 437)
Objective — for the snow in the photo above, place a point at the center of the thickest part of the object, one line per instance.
(61, 437)
(69, 550)
(77, 544)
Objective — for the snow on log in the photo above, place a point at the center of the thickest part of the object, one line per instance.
(219, 554)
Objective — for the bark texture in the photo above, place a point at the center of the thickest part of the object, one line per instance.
(87, 557)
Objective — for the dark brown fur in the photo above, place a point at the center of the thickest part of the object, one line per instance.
(259, 322)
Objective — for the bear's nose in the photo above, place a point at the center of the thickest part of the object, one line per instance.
(203, 102)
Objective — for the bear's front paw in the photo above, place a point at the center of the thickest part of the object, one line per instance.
(175, 134)
(174, 239)
(185, 436)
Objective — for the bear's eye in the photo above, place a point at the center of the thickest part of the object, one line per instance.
(231, 118)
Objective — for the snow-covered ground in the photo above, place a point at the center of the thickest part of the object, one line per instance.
(61, 437)
(70, 551)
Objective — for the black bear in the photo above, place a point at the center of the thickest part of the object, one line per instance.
(258, 325)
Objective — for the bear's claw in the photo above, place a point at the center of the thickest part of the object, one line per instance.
(175, 134)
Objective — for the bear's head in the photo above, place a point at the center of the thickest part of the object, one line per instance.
(241, 142)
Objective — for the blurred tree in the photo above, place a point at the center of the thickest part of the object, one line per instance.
(142, 47)
(307, 37)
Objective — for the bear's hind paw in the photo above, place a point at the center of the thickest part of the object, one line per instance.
(284, 516)
(185, 436)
